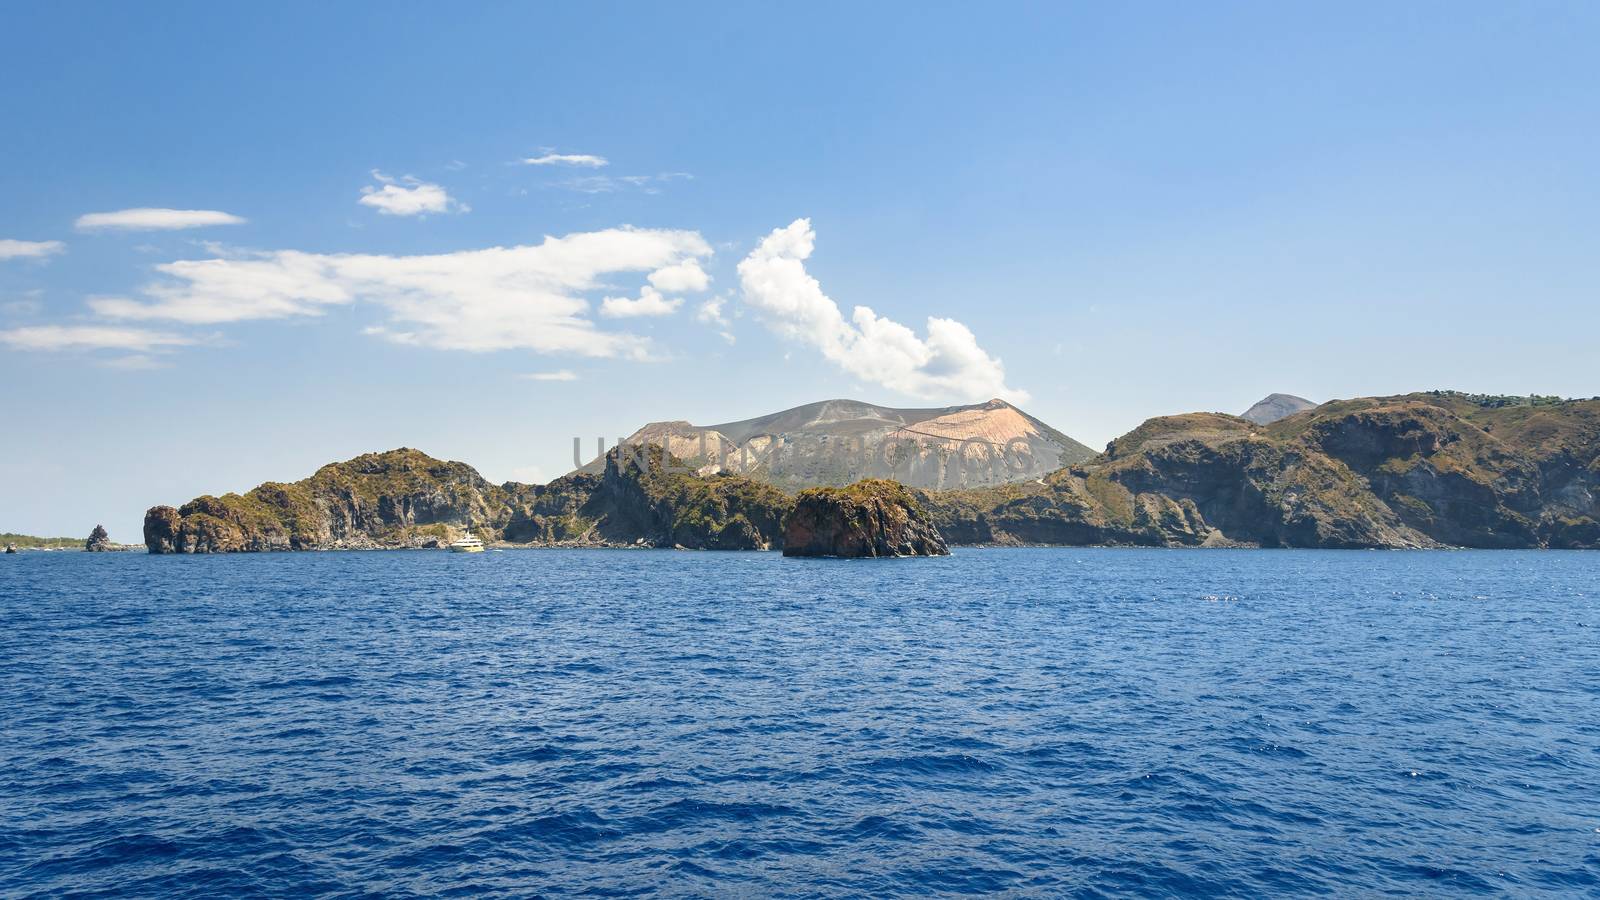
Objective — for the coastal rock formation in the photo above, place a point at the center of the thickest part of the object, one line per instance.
(837, 442)
(1273, 407)
(99, 541)
(867, 519)
(1421, 470)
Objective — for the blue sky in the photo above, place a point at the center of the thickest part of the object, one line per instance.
(1107, 212)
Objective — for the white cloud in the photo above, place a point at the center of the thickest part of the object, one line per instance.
(585, 160)
(500, 298)
(685, 277)
(408, 196)
(561, 375)
(948, 363)
(155, 219)
(90, 337)
(11, 249)
(650, 303)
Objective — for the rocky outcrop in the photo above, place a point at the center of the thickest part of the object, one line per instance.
(870, 518)
(99, 541)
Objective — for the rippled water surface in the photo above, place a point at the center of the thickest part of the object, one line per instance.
(1037, 722)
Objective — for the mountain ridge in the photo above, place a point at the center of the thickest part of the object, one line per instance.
(831, 443)
(1430, 469)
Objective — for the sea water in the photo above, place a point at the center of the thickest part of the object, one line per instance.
(1036, 722)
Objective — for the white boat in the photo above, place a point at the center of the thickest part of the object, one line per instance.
(468, 544)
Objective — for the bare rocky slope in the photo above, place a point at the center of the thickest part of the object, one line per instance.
(1419, 470)
(1273, 407)
(839, 442)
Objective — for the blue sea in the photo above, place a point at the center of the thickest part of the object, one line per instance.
(1031, 722)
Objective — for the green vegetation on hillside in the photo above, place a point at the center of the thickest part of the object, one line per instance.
(29, 542)
(1497, 401)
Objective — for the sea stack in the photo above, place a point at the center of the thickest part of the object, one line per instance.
(99, 541)
(871, 518)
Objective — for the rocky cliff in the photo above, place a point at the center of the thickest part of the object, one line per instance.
(867, 519)
(651, 498)
(1420, 470)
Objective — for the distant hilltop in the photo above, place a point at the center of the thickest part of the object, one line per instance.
(838, 442)
(1273, 407)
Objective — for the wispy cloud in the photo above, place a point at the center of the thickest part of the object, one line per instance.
(408, 196)
(583, 160)
(948, 363)
(138, 362)
(500, 298)
(90, 337)
(711, 313)
(560, 375)
(147, 219)
(12, 249)
(610, 184)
